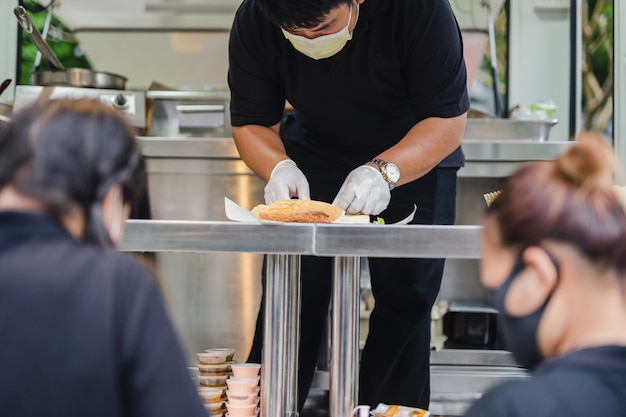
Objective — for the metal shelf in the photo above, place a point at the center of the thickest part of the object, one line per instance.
(484, 158)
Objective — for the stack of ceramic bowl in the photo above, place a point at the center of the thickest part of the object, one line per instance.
(242, 395)
(214, 369)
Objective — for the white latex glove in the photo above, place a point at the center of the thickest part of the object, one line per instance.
(364, 191)
(286, 181)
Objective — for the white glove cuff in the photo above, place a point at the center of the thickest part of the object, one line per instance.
(283, 163)
(374, 169)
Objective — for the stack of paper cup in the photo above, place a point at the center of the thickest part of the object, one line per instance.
(243, 390)
(214, 370)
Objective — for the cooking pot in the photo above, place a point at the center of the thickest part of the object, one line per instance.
(58, 75)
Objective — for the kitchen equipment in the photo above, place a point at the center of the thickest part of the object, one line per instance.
(199, 113)
(131, 103)
(470, 324)
(58, 75)
(44, 31)
(508, 129)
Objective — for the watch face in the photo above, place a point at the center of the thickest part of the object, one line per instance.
(393, 173)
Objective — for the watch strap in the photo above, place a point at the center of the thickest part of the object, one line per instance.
(382, 164)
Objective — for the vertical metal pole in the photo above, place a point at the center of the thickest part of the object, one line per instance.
(344, 356)
(281, 337)
(293, 335)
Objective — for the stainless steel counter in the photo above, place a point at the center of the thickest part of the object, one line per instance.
(194, 161)
(497, 159)
(303, 239)
(217, 236)
(183, 147)
(509, 150)
(285, 243)
(484, 158)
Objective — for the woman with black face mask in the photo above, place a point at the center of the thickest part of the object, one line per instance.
(554, 260)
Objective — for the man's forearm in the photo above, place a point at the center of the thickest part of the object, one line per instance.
(260, 148)
(424, 146)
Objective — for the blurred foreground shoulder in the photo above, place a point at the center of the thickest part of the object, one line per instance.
(519, 398)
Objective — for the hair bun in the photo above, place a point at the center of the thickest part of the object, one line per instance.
(590, 162)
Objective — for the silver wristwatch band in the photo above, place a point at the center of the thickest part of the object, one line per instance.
(383, 167)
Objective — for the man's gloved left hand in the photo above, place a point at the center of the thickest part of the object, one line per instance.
(364, 191)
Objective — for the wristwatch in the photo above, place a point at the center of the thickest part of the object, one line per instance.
(389, 171)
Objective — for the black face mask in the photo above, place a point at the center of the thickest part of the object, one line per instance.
(520, 333)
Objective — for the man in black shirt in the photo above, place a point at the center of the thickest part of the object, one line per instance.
(379, 92)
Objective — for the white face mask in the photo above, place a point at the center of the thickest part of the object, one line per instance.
(323, 46)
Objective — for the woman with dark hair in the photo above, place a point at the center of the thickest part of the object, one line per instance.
(83, 328)
(554, 260)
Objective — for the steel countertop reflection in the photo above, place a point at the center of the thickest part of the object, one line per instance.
(398, 241)
(217, 236)
(401, 241)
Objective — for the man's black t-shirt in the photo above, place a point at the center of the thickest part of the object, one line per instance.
(403, 64)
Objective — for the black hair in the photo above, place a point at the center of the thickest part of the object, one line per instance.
(292, 14)
(67, 153)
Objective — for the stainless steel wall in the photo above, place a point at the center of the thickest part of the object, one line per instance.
(213, 297)
(460, 278)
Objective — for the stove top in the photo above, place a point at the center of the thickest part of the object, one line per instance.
(131, 103)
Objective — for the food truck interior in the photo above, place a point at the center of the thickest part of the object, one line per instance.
(174, 61)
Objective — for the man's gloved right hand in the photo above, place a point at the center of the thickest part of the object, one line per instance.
(286, 181)
(363, 191)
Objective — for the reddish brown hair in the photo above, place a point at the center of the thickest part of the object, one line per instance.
(570, 199)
